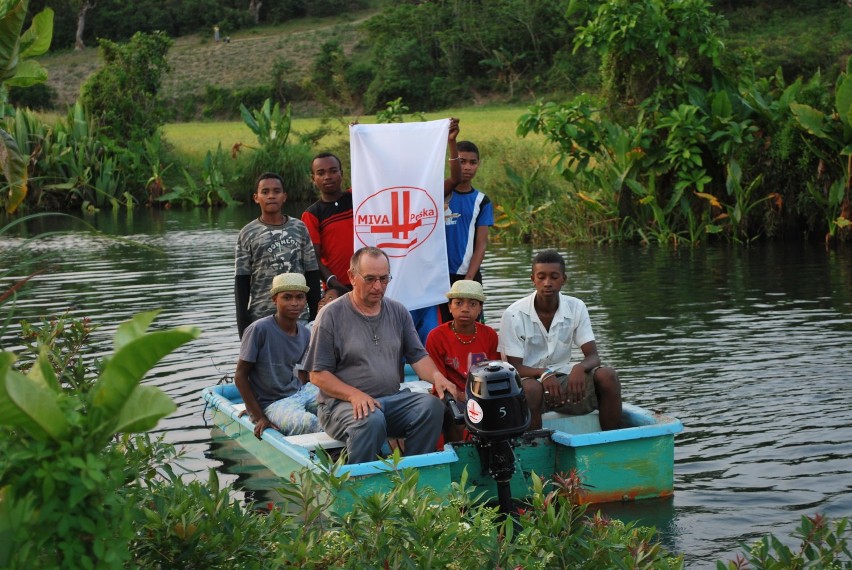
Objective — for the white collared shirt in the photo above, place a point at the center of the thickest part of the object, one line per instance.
(522, 334)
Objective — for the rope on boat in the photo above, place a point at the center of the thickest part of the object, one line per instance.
(225, 379)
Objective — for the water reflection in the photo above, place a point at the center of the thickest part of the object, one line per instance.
(749, 347)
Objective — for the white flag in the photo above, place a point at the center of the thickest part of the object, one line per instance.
(398, 204)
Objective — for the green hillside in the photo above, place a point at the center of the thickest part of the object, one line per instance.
(197, 61)
(801, 40)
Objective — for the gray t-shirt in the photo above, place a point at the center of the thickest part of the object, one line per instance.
(364, 352)
(275, 354)
(264, 251)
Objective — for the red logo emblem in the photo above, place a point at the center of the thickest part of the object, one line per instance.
(397, 220)
(474, 411)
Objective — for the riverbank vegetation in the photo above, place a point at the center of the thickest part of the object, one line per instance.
(80, 488)
(656, 122)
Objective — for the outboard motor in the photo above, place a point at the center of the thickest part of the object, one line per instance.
(496, 412)
(496, 405)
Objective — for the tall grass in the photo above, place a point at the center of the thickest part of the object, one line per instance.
(191, 141)
(493, 131)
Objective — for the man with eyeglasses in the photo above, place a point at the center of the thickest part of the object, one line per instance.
(358, 345)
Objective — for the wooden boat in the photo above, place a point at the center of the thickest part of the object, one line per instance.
(632, 463)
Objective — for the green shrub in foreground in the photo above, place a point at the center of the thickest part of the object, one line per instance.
(824, 545)
(410, 527)
(76, 492)
(195, 526)
(199, 525)
(69, 469)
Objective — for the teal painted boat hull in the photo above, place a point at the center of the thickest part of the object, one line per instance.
(632, 463)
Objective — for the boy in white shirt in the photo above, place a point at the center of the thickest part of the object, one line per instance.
(537, 334)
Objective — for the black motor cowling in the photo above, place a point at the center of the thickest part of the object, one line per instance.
(496, 413)
(496, 406)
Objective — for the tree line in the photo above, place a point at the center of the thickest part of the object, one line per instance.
(680, 139)
(432, 54)
(81, 23)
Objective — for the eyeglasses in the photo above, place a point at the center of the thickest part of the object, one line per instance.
(370, 279)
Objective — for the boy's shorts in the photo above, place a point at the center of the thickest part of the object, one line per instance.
(296, 414)
(588, 404)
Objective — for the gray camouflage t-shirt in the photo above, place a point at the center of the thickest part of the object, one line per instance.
(264, 251)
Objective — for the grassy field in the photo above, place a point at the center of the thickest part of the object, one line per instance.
(480, 124)
(492, 128)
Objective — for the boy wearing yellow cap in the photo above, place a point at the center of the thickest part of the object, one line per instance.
(268, 377)
(457, 345)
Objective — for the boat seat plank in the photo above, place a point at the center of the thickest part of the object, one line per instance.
(312, 441)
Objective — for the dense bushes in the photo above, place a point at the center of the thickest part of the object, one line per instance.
(320, 8)
(18, 47)
(797, 38)
(446, 52)
(218, 102)
(107, 152)
(123, 96)
(74, 165)
(277, 150)
(41, 97)
(436, 53)
(70, 469)
(97, 155)
(680, 146)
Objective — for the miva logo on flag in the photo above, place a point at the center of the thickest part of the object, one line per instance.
(397, 220)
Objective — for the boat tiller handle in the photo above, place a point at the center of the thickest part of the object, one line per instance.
(453, 405)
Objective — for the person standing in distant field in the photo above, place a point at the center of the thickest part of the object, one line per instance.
(329, 222)
(468, 215)
(271, 245)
